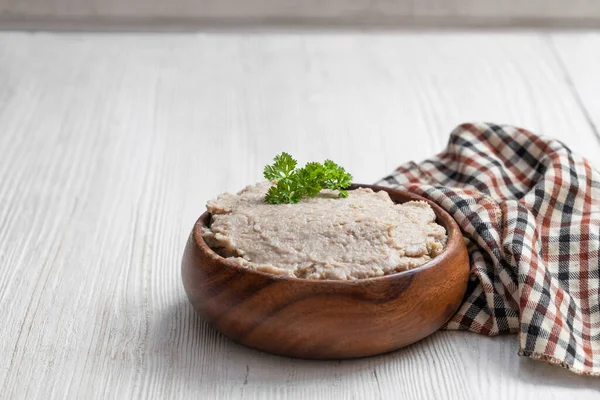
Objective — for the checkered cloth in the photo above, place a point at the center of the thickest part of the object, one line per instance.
(530, 211)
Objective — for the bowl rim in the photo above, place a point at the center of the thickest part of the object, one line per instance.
(455, 239)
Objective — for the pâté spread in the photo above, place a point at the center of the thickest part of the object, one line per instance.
(325, 237)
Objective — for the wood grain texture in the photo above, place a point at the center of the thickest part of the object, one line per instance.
(111, 144)
(94, 13)
(327, 319)
(579, 57)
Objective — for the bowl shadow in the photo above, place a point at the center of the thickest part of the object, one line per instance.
(196, 355)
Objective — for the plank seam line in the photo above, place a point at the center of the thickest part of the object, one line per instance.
(572, 88)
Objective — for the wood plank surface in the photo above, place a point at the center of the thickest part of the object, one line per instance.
(111, 144)
(579, 56)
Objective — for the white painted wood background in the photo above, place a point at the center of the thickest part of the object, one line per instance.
(111, 144)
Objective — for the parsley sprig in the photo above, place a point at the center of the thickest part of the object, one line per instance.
(293, 184)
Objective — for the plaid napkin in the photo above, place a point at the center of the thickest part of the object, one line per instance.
(530, 211)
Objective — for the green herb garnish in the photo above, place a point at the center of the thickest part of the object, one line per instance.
(293, 184)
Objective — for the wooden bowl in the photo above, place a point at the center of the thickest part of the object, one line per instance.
(327, 319)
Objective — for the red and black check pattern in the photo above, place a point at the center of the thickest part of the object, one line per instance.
(530, 211)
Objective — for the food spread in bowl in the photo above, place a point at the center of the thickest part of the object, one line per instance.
(313, 225)
(363, 235)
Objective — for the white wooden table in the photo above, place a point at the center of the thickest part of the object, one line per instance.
(110, 146)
